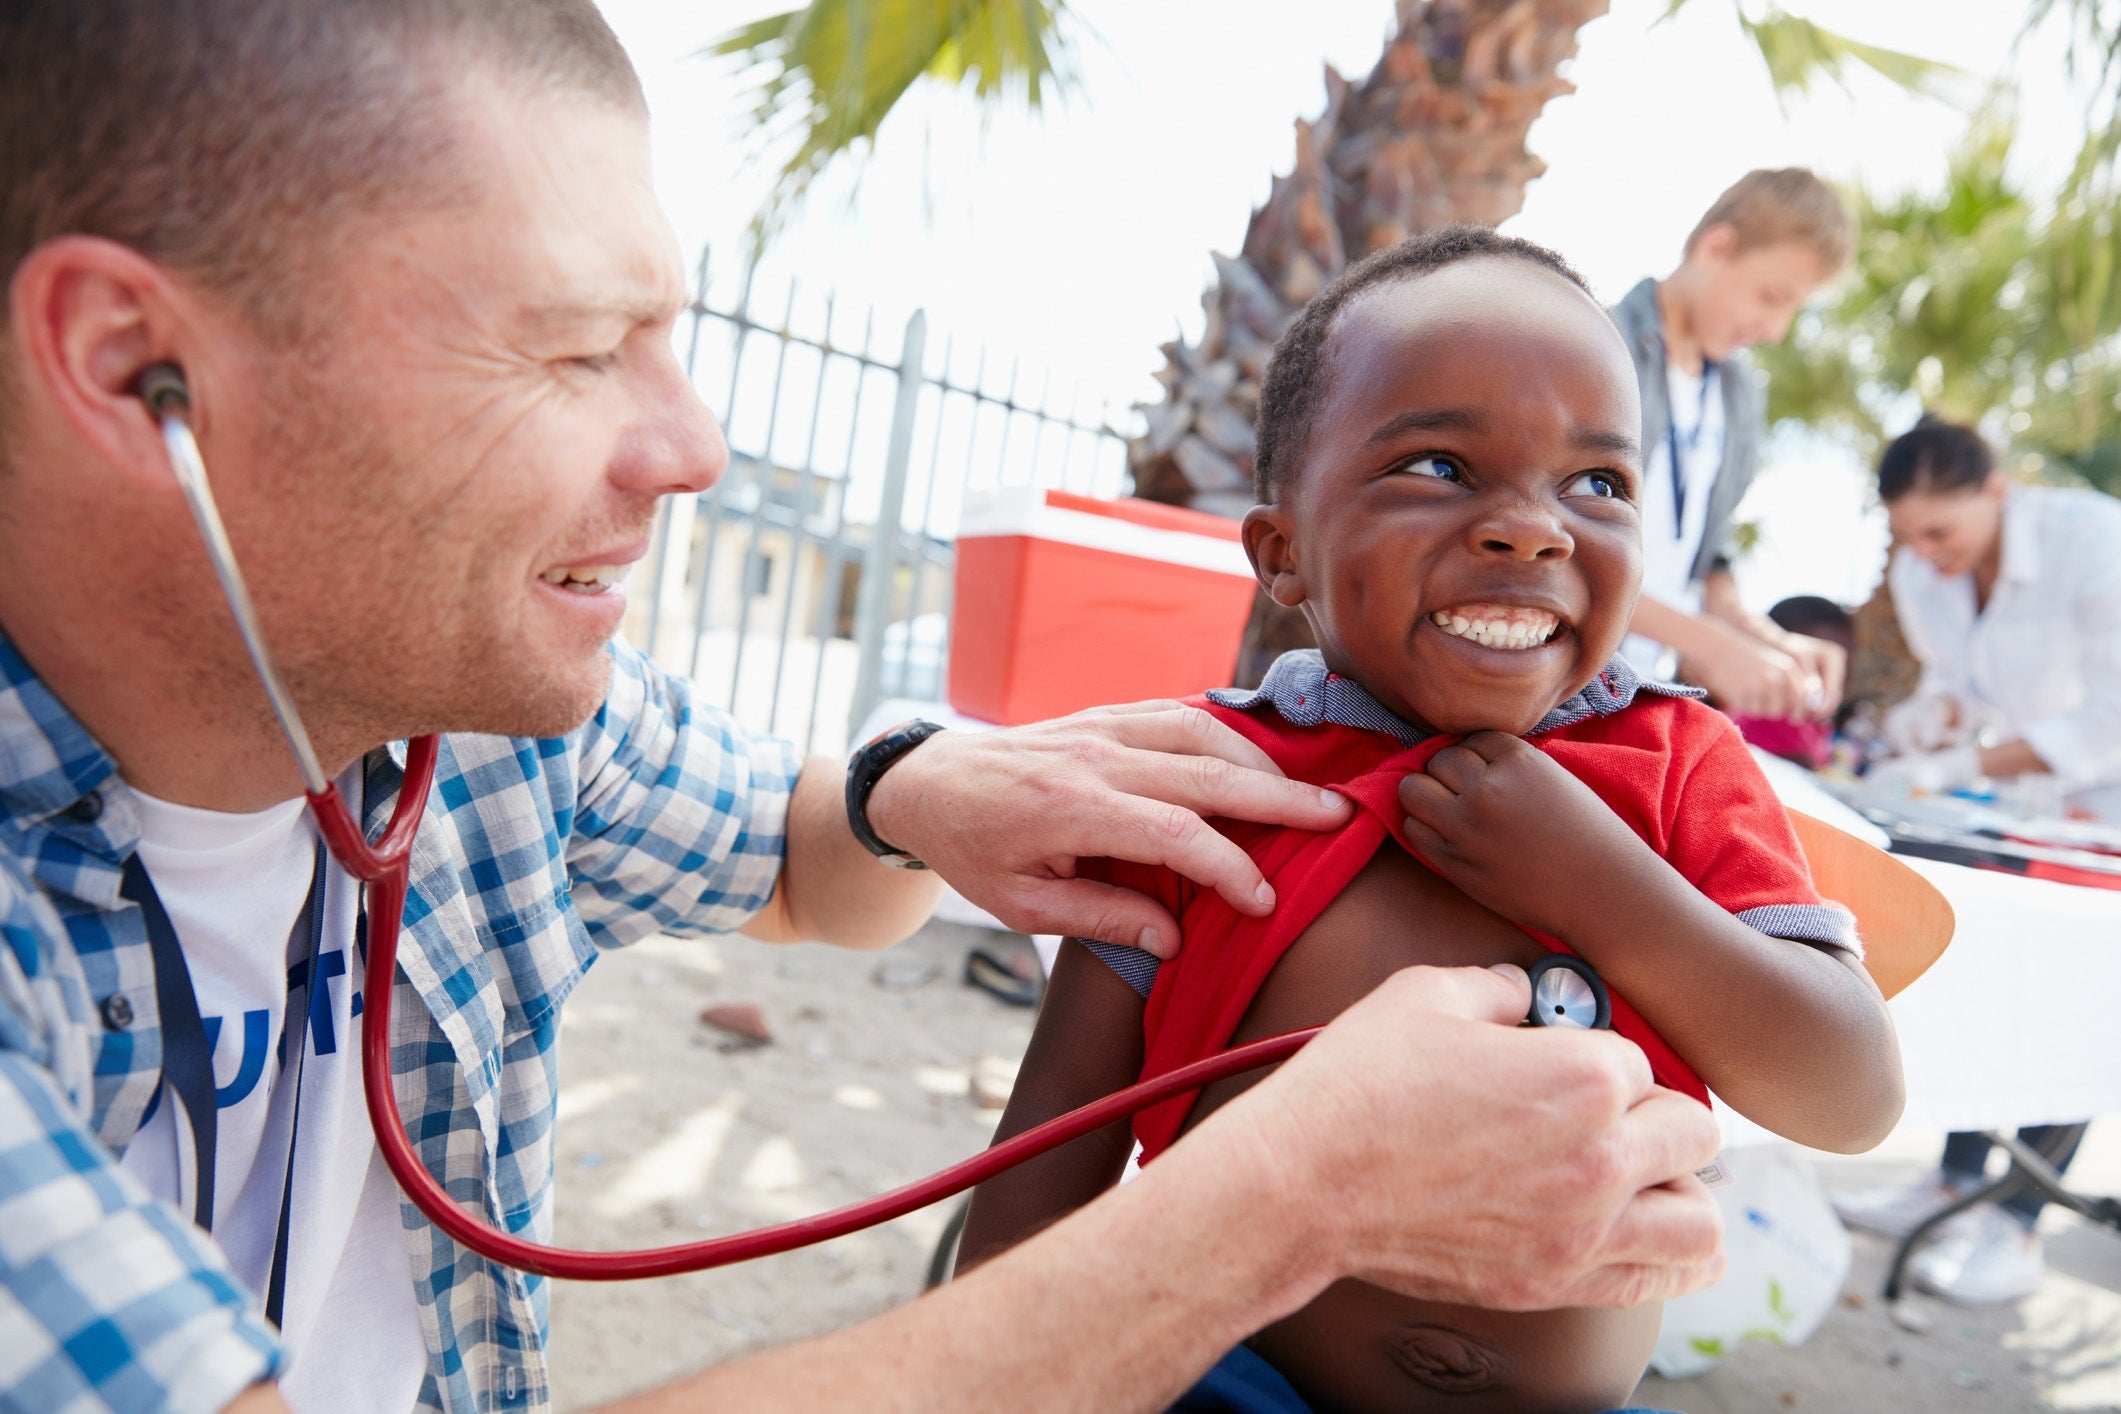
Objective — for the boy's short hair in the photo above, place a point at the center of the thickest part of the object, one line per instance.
(1816, 617)
(1771, 206)
(1295, 378)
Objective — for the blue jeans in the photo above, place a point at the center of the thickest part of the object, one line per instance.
(1242, 1383)
(1966, 1165)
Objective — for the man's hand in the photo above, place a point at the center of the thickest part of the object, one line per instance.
(1517, 833)
(1004, 816)
(1443, 1152)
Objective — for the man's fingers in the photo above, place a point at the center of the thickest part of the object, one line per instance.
(1127, 709)
(1188, 731)
(1668, 1241)
(1212, 786)
(1501, 994)
(1664, 1134)
(1173, 837)
(1084, 908)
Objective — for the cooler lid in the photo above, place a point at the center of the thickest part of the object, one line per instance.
(1147, 530)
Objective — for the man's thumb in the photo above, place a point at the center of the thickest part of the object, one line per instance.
(1505, 994)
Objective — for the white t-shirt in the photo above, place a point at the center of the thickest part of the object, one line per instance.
(1671, 533)
(233, 886)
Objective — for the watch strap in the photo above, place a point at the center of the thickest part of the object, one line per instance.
(866, 769)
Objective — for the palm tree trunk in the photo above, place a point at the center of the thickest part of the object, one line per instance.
(1435, 134)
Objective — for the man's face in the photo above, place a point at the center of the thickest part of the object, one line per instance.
(1461, 530)
(444, 485)
(1953, 530)
(1748, 297)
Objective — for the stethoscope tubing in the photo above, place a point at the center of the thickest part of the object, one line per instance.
(387, 900)
(385, 868)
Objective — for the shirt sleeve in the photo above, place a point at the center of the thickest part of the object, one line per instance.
(2083, 744)
(682, 816)
(109, 1300)
(1732, 838)
(1167, 886)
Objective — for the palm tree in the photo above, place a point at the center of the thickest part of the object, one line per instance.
(1435, 134)
(1980, 302)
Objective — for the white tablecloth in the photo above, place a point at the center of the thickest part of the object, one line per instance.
(2020, 1020)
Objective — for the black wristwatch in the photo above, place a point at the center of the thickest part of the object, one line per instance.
(866, 769)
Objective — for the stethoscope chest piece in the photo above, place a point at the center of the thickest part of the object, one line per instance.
(1567, 992)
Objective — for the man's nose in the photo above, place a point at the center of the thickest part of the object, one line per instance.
(1523, 528)
(689, 451)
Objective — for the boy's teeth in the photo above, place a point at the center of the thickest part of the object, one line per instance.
(1508, 628)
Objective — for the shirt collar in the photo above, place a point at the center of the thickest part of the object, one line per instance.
(48, 760)
(1305, 694)
(2021, 540)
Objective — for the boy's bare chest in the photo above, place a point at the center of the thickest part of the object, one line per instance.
(1395, 913)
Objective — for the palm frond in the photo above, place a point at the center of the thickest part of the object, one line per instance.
(827, 75)
(1799, 53)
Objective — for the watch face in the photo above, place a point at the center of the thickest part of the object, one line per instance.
(889, 731)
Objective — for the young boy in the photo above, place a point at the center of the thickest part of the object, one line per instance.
(1752, 261)
(1449, 470)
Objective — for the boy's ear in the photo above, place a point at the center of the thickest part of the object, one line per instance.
(1271, 543)
(1719, 243)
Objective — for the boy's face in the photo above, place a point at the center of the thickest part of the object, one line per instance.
(1747, 297)
(1461, 529)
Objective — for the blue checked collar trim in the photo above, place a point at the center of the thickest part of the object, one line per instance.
(1305, 694)
(47, 758)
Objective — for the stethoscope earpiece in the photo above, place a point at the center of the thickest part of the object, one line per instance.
(162, 387)
(1567, 992)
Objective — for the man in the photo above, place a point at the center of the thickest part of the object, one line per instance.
(1752, 261)
(407, 255)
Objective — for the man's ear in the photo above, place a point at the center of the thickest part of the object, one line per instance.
(1271, 543)
(87, 316)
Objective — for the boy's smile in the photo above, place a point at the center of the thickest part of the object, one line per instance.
(1461, 529)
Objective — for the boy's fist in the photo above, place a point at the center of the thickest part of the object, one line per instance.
(1514, 830)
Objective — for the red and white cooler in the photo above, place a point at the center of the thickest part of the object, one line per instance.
(1065, 602)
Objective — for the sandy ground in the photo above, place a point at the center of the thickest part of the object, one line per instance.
(666, 1136)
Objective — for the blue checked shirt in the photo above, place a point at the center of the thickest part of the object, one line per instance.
(659, 815)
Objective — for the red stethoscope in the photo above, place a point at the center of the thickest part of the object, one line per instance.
(1565, 991)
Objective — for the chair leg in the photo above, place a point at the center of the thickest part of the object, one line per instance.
(945, 1258)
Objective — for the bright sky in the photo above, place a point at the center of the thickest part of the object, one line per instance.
(1079, 241)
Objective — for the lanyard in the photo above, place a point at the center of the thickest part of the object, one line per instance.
(188, 1061)
(1693, 440)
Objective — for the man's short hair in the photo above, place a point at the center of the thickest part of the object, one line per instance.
(223, 138)
(1783, 204)
(1297, 375)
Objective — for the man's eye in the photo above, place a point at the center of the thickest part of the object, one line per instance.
(596, 363)
(1602, 484)
(1441, 468)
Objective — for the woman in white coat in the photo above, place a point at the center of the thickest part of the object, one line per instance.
(2011, 597)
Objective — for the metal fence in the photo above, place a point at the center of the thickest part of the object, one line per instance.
(813, 582)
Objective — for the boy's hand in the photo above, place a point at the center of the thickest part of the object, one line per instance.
(1514, 830)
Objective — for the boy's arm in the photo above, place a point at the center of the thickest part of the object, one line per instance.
(1794, 1037)
(1087, 1044)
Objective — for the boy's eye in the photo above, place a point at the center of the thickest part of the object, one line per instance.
(1442, 468)
(1603, 484)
